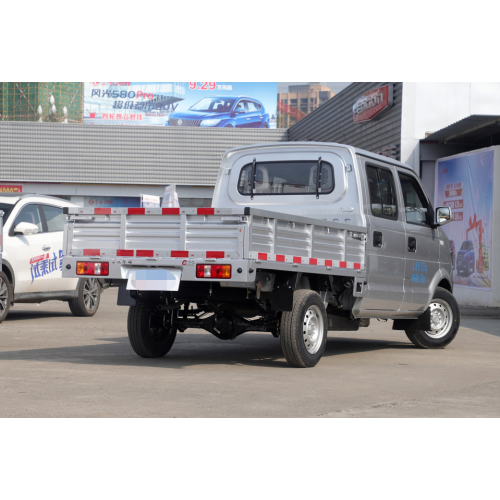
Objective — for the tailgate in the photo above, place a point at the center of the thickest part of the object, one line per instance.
(154, 232)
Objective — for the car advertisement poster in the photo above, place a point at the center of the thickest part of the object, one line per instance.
(181, 104)
(465, 183)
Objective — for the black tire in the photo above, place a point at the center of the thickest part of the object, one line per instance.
(6, 295)
(428, 340)
(293, 334)
(89, 296)
(146, 332)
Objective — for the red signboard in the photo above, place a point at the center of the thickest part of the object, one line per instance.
(372, 103)
(11, 188)
(458, 216)
(451, 193)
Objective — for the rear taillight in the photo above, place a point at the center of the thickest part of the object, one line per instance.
(213, 271)
(93, 268)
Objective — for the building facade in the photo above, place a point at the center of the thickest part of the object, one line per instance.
(299, 101)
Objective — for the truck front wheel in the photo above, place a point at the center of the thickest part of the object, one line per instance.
(150, 332)
(445, 321)
(303, 330)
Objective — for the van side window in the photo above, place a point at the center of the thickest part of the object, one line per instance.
(416, 206)
(383, 199)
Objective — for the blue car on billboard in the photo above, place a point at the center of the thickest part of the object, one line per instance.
(466, 259)
(221, 111)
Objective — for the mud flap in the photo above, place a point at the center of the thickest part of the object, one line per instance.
(421, 323)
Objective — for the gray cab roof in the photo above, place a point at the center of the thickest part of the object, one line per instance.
(353, 150)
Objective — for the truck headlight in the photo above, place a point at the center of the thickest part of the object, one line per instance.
(209, 123)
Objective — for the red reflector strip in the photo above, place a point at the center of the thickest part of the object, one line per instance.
(144, 253)
(280, 258)
(124, 253)
(136, 211)
(170, 211)
(102, 211)
(262, 256)
(205, 211)
(343, 264)
(357, 266)
(179, 253)
(215, 255)
(328, 263)
(313, 262)
(91, 251)
(297, 260)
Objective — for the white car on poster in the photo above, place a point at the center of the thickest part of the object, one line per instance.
(32, 257)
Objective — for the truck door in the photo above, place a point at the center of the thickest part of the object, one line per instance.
(422, 242)
(386, 241)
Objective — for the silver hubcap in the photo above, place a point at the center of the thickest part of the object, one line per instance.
(90, 293)
(441, 319)
(313, 329)
(4, 295)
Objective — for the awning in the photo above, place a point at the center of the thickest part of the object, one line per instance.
(475, 129)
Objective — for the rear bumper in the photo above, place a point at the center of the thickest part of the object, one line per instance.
(242, 270)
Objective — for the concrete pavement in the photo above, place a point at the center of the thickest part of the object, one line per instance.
(55, 365)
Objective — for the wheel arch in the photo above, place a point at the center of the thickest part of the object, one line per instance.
(9, 271)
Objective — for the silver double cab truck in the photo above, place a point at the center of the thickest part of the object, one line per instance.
(303, 238)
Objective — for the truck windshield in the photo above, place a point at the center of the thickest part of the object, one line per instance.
(286, 178)
(213, 105)
(7, 209)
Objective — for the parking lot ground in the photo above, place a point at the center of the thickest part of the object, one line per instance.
(55, 365)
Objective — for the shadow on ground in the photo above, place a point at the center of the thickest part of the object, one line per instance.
(193, 349)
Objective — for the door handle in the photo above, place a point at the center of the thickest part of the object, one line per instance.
(412, 244)
(377, 239)
(248, 118)
(45, 247)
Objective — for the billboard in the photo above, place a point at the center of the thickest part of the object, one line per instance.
(465, 183)
(181, 104)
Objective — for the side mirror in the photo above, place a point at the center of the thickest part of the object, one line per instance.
(238, 111)
(26, 228)
(443, 216)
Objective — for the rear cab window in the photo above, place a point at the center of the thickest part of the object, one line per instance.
(286, 178)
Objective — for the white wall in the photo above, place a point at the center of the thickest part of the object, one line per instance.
(429, 107)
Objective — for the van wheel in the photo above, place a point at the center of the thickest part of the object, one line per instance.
(6, 294)
(88, 298)
(150, 332)
(445, 321)
(303, 330)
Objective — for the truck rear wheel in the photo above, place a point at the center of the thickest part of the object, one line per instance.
(150, 332)
(303, 330)
(445, 321)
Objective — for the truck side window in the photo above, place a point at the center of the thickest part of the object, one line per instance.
(416, 206)
(383, 199)
(29, 214)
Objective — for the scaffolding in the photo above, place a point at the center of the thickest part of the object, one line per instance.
(19, 101)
